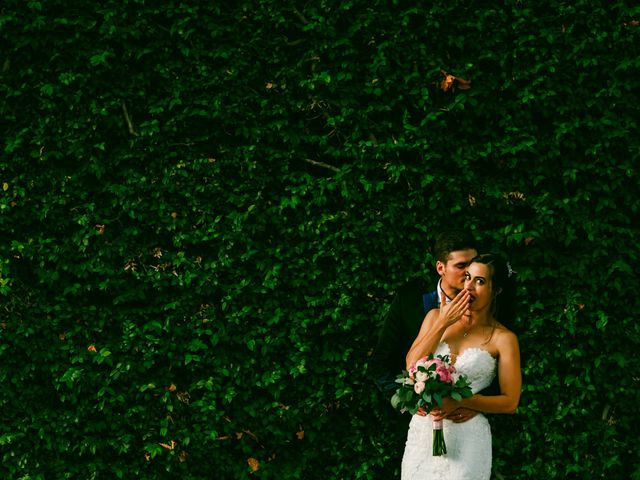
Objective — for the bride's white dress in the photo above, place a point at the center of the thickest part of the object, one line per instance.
(468, 454)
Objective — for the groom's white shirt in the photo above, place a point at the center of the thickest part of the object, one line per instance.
(440, 292)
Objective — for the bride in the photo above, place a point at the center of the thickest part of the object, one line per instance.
(471, 330)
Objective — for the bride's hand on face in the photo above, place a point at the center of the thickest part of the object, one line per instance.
(453, 311)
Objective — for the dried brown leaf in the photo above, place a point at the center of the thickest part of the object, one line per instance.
(451, 81)
(253, 464)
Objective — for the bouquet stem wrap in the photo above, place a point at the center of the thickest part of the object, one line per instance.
(439, 447)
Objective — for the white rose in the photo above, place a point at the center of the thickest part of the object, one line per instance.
(422, 376)
(418, 387)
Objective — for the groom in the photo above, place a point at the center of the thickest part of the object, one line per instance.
(453, 251)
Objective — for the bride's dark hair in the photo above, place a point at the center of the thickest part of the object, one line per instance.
(503, 282)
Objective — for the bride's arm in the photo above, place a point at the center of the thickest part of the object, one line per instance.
(434, 325)
(428, 338)
(509, 377)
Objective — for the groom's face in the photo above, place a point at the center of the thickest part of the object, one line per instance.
(453, 271)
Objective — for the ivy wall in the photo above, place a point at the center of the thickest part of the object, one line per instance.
(206, 208)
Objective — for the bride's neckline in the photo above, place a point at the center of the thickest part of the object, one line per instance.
(458, 355)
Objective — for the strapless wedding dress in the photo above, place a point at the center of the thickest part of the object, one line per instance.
(468, 454)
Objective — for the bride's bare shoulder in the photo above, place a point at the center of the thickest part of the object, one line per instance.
(504, 336)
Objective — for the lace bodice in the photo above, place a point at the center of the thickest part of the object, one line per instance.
(474, 362)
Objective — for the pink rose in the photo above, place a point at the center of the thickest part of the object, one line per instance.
(418, 387)
(444, 374)
(435, 361)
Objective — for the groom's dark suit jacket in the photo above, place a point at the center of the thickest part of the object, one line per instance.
(401, 326)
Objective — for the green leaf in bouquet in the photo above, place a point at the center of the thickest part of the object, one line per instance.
(438, 398)
(462, 382)
(456, 396)
(406, 394)
(396, 401)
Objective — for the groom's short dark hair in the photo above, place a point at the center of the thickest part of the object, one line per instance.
(449, 241)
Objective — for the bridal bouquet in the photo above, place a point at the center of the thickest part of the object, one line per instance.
(424, 385)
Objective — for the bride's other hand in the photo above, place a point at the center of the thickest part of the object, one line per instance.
(449, 405)
(461, 415)
(437, 414)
